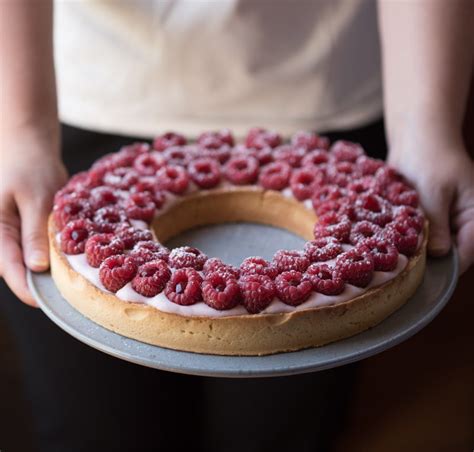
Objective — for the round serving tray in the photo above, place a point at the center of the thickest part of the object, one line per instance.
(436, 289)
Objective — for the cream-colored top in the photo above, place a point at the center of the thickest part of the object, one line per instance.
(141, 67)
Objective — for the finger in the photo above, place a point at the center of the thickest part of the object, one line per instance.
(34, 236)
(437, 208)
(465, 240)
(12, 268)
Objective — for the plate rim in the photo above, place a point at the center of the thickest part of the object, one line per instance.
(252, 373)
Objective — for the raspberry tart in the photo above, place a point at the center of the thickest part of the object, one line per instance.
(364, 254)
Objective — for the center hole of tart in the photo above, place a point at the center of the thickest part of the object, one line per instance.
(237, 224)
(233, 242)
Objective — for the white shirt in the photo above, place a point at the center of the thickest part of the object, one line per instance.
(141, 67)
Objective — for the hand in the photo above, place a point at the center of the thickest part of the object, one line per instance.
(443, 173)
(30, 174)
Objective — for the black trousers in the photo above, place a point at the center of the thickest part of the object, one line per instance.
(83, 400)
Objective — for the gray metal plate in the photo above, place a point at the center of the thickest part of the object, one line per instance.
(233, 242)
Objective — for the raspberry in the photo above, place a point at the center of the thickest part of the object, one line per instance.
(79, 180)
(116, 271)
(401, 194)
(386, 175)
(355, 267)
(373, 208)
(363, 230)
(344, 167)
(260, 138)
(173, 178)
(330, 206)
(107, 161)
(318, 157)
(292, 288)
(257, 292)
(131, 235)
(159, 198)
(100, 246)
(205, 172)
(258, 266)
(184, 287)
(325, 279)
(140, 206)
(326, 193)
(322, 249)
(152, 246)
(275, 176)
(264, 155)
(180, 155)
(74, 236)
(96, 177)
(285, 260)
(410, 217)
(367, 166)
(384, 254)
(148, 164)
(339, 179)
(122, 159)
(309, 140)
(215, 140)
(186, 256)
(221, 154)
(342, 206)
(289, 154)
(214, 264)
(359, 186)
(305, 181)
(346, 208)
(149, 250)
(220, 291)
(334, 225)
(345, 151)
(404, 237)
(121, 178)
(72, 209)
(372, 185)
(340, 173)
(71, 194)
(167, 140)
(108, 218)
(132, 151)
(148, 184)
(151, 278)
(87, 179)
(102, 196)
(241, 170)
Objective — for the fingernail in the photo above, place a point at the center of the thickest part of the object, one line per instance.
(38, 259)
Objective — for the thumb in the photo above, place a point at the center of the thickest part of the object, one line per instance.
(437, 207)
(34, 236)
